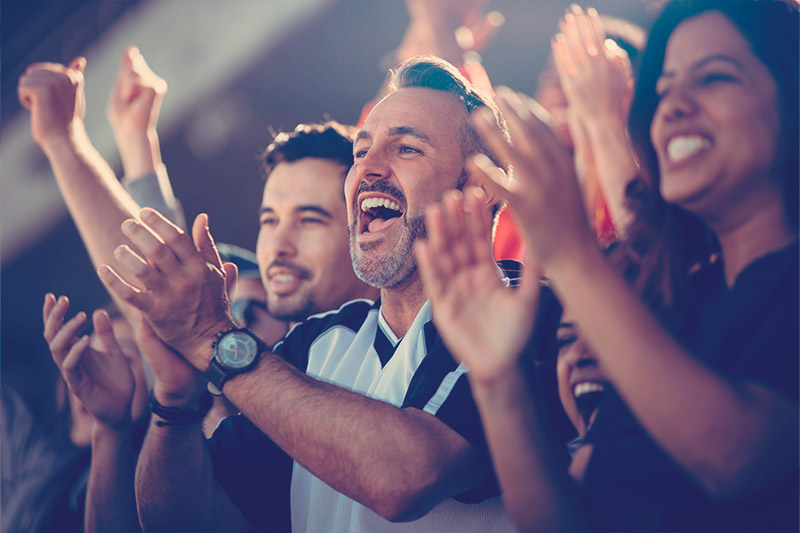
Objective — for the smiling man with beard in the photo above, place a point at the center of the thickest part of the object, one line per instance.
(367, 401)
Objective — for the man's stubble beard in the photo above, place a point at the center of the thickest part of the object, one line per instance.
(388, 272)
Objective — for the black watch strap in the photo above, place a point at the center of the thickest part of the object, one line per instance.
(216, 374)
(180, 416)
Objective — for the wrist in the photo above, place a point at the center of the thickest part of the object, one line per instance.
(184, 415)
(139, 152)
(106, 431)
(501, 390)
(69, 139)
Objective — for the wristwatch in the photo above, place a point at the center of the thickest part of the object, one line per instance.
(235, 351)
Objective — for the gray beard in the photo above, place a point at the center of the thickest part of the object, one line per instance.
(389, 272)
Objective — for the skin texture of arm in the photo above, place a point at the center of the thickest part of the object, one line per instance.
(96, 200)
(338, 435)
(486, 325)
(759, 425)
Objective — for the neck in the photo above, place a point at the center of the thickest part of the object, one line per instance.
(749, 238)
(400, 305)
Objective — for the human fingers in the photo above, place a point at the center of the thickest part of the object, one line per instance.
(65, 337)
(157, 253)
(105, 332)
(484, 123)
(124, 290)
(529, 124)
(47, 307)
(563, 62)
(55, 319)
(231, 276)
(476, 224)
(137, 266)
(595, 27)
(591, 44)
(484, 172)
(455, 234)
(204, 242)
(79, 64)
(577, 49)
(437, 238)
(70, 365)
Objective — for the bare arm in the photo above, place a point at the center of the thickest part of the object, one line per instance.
(340, 436)
(175, 485)
(487, 325)
(133, 109)
(96, 200)
(759, 425)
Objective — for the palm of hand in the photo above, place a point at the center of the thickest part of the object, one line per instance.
(485, 323)
(104, 384)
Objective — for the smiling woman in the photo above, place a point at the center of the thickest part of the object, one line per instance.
(699, 430)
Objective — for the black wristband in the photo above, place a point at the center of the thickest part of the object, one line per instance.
(180, 416)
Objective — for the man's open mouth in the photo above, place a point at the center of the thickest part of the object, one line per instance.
(377, 213)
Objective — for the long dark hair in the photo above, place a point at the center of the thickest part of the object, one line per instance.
(666, 242)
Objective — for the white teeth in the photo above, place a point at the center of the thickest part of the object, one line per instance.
(283, 278)
(679, 148)
(586, 387)
(371, 203)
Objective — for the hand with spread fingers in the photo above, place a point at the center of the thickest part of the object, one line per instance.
(484, 323)
(545, 198)
(595, 73)
(101, 379)
(184, 294)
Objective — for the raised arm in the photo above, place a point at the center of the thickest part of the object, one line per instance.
(103, 382)
(133, 108)
(641, 359)
(486, 325)
(595, 75)
(96, 200)
(338, 435)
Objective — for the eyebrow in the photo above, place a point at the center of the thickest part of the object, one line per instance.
(299, 209)
(709, 59)
(398, 131)
(565, 325)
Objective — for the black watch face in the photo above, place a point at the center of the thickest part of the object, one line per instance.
(236, 350)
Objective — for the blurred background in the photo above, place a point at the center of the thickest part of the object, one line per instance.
(237, 70)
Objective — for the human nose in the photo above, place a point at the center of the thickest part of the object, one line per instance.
(677, 103)
(283, 240)
(374, 165)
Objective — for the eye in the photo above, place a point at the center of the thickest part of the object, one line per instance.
(268, 221)
(312, 220)
(409, 150)
(358, 154)
(715, 77)
(565, 341)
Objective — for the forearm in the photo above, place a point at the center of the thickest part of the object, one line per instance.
(645, 364)
(537, 491)
(140, 152)
(342, 438)
(96, 200)
(110, 500)
(175, 485)
(614, 164)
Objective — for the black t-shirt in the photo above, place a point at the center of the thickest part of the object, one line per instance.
(748, 332)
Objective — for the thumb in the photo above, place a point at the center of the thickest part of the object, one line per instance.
(231, 276)
(204, 242)
(79, 64)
